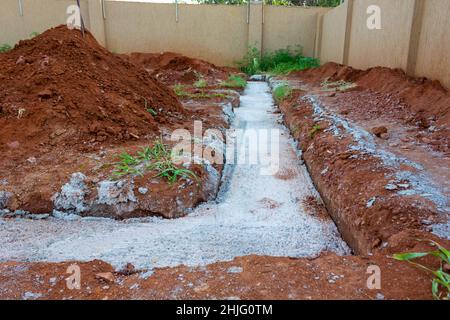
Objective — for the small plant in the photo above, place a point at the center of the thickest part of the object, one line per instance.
(440, 286)
(5, 48)
(234, 81)
(301, 63)
(34, 34)
(315, 129)
(157, 158)
(250, 62)
(149, 109)
(204, 95)
(180, 90)
(282, 92)
(281, 61)
(201, 83)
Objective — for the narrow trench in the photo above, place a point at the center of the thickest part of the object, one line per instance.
(254, 214)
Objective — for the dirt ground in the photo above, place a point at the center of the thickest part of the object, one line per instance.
(377, 156)
(251, 277)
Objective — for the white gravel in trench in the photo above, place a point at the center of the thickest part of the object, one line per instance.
(256, 214)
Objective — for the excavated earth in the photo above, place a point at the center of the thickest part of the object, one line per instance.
(68, 109)
(376, 144)
(376, 147)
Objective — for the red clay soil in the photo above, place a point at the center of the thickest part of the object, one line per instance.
(59, 85)
(428, 100)
(250, 277)
(405, 116)
(172, 68)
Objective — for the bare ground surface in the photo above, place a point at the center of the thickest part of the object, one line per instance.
(250, 277)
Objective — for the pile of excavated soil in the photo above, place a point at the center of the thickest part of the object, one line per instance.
(61, 89)
(171, 68)
(68, 109)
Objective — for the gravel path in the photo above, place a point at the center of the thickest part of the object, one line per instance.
(255, 214)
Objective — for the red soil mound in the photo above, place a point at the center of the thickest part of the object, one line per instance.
(427, 98)
(172, 68)
(61, 89)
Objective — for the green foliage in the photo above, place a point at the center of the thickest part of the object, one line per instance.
(5, 47)
(234, 81)
(34, 34)
(282, 61)
(149, 109)
(157, 158)
(282, 92)
(250, 63)
(315, 129)
(201, 83)
(440, 286)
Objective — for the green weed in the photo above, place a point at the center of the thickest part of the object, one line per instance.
(315, 129)
(152, 111)
(5, 48)
(156, 158)
(282, 61)
(234, 81)
(340, 85)
(180, 90)
(440, 286)
(201, 83)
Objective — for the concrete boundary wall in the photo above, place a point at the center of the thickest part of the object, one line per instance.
(414, 36)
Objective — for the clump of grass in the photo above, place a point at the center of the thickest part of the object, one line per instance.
(234, 81)
(250, 63)
(315, 129)
(180, 90)
(279, 62)
(440, 286)
(282, 92)
(340, 85)
(201, 83)
(156, 158)
(5, 48)
(34, 34)
(126, 165)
